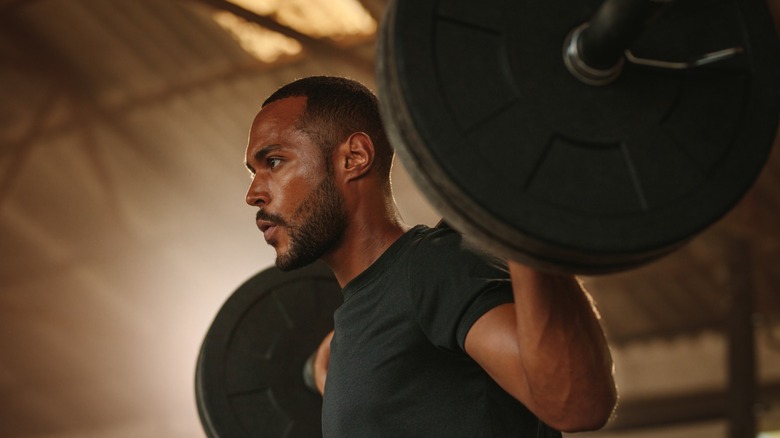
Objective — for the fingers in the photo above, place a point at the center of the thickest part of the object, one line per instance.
(321, 361)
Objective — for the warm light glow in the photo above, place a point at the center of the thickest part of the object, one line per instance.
(345, 21)
(334, 19)
(263, 44)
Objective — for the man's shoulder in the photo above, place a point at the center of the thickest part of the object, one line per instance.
(443, 237)
(441, 234)
(443, 247)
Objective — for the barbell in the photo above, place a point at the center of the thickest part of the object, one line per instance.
(249, 374)
(579, 136)
(582, 137)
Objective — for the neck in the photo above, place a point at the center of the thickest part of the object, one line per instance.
(368, 235)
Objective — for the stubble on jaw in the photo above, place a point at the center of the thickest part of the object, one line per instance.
(316, 226)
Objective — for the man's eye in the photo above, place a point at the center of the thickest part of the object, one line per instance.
(273, 162)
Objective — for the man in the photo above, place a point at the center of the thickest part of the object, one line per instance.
(433, 339)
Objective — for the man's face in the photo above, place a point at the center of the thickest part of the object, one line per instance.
(301, 211)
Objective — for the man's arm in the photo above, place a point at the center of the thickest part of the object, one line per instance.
(548, 350)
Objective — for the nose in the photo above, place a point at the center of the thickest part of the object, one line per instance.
(257, 195)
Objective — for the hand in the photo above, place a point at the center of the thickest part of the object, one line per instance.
(321, 361)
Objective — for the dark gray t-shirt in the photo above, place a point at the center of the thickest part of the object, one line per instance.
(398, 366)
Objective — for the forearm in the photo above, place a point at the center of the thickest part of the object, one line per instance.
(569, 372)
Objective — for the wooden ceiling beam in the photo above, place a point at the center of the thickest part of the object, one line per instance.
(376, 8)
(314, 44)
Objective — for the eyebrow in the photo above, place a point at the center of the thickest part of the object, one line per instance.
(262, 153)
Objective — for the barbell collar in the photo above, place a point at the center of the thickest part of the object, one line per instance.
(594, 51)
(584, 72)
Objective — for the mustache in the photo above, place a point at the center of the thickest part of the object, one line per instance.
(270, 217)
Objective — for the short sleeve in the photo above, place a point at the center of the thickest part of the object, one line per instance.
(451, 286)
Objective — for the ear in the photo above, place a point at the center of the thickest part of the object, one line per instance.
(356, 156)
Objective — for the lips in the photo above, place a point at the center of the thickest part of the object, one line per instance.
(267, 228)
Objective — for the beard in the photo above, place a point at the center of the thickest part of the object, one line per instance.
(315, 227)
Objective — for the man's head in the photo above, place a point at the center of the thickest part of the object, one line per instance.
(335, 108)
(293, 151)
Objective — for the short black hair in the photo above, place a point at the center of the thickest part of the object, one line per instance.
(337, 107)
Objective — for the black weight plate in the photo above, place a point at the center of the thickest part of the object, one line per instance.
(518, 154)
(249, 375)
